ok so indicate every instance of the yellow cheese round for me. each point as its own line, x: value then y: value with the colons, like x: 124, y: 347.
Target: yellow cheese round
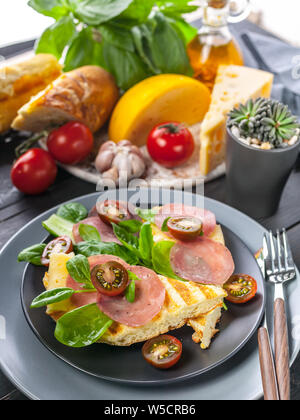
x: 158, y: 99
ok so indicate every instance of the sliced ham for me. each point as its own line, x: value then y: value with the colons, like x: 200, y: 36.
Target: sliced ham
x: 106, y: 231
x: 93, y: 212
x: 149, y: 300
x: 202, y: 261
x: 174, y: 210
x: 82, y: 299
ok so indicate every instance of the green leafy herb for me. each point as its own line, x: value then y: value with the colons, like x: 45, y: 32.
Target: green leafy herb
x: 133, y: 226
x: 74, y: 212
x: 225, y: 306
x: 52, y: 296
x: 164, y: 227
x: 55, y: 39
x: 33, y: 254
x: 57, y: 226
x: 146, y: 243
x: 52, y: 8
x: 130, y: 292
x: 161, y: 259
x: 176, y: 7
x: 79, y: 269
x: 82, y: 327
x: 147, y: 215
x: 130, y: 241
x: 89, y: 233
x: 107, y: 248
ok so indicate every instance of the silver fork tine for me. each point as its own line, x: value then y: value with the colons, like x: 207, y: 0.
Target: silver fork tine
x: 279, y: 250
x: 288, y: 257
x: 272, y: 250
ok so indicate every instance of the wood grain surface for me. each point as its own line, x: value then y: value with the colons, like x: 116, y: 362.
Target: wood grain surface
x: 267, y: 366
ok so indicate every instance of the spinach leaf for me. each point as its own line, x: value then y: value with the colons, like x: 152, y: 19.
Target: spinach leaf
x: 164, y: 227
x: 74, y: 212
x: 106, y: 248
x: 130, y: 241
x: 52, y: 296
x: 52, y: 8
x: 132, y: 226
x: 57, y: 37
x: 82, y: 327
x: 161, y: 259
x: 33, y: 254
x: 147, y: 215
x: 95, y: 12
x: 146, y: 243
x: 85, y: 49
x: 130, y: 292
x: 127, y: 67
x: 89, y: 233
x: 79, y: 269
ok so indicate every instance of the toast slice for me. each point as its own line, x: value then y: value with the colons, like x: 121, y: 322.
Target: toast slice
x: 205, y: 327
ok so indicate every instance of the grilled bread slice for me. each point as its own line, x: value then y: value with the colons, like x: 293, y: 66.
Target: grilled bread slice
x: 205, y: 327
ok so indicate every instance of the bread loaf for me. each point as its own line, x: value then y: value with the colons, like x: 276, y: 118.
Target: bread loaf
x: 87, y: 94
x: 19, y: 82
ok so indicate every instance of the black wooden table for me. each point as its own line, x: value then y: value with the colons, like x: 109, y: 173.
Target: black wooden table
x: 16, y: 210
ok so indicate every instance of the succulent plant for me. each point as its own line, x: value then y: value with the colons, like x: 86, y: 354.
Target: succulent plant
x: 266, y: 120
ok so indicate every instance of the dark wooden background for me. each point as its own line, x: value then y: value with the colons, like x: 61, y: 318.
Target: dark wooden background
x: 16, y: 209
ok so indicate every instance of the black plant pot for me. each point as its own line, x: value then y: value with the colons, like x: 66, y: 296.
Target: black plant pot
x: 256, y: 178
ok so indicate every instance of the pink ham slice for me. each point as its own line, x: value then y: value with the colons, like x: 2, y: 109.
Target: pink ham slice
x: 93, y: 212
x: 149, y: 300
x: 171, y: 210
x: 106, y: 231
x: 202, y: 261
x: 82, y: 299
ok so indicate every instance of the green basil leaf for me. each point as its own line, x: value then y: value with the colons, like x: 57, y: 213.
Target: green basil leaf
x: 52, y: 8
x: 141, y: 35
x: 74, y: 212
x: 133, y: 276
x: 137, y: 12
x: 82, y: 327
x: 52, y: 296
x: 130, y: 292
x: 147, y: 215
x: 57, y: 37
x: 79, y: 269
x: 177, y: 7
x: 187, y: 31
x: 146, y: 243
x: 117, y: 35
x: 95, y: 12
x: 127, y: 239
x: 161, y: 259
x: 89, y: 233
x: 33, y: 254
x: 107, y: 248
x: 164, y: 227
x: 127, y: 67
x: 132, y: 225
x: 85, y: 49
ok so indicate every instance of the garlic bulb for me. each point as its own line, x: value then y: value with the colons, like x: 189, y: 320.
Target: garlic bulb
x: 120, y: 160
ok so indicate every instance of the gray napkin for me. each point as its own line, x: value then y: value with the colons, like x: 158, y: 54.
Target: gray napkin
x: 282, y: 59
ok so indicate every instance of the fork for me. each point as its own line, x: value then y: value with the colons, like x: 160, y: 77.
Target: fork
x: 280, y: 268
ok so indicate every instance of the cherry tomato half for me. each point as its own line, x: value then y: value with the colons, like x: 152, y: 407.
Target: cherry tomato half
x: 111, y: 211
x: 240, y: 288
x: 34, y: 172
x: 185, y: 228
x: 61, y: 245
x: 162, y: 352
x: 71, y: 143
x: 170, y: 144
x: 110, y: 279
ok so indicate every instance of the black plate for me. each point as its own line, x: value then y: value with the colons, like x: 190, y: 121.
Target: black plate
x: 126, y: 364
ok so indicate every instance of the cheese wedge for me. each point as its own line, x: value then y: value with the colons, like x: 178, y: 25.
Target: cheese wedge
x: 234, y: 85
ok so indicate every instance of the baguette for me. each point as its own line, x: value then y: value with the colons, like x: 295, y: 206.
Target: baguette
x: 19, y: 82
x: 87, y: 94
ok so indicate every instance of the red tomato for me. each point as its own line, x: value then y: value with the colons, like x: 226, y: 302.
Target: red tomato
x: 240, y: 288
x: 170, y: 144
x: 110, y: 279
x: 71, y: 143
x: 162, y: 352
x: 34, y: 172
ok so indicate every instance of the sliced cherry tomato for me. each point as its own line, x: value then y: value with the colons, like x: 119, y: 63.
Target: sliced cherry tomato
x: 111, y: 211
x: 61, y: 245
x: 240, y: 288
x: 34, y: 172
x: 185, y: 228
x: 170, y: 144
x: 71, y: 143
x: 110, y: 279
x: 162, y: 352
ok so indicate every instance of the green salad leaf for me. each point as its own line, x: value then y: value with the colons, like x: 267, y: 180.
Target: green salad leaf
x: 74, y: 212
x: 146, y: 214
x: 130, y: 241
x: 57, y: 226
x: 79, y: 269
x: 82, y: 327
x: 89, y: 233
x: 146, y: 243
x: 52, y: 296
x: 161, y: 259
x: 107, y: 248
x: 133, y: 226
x: 32, y: 255
x: 51, y: 8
